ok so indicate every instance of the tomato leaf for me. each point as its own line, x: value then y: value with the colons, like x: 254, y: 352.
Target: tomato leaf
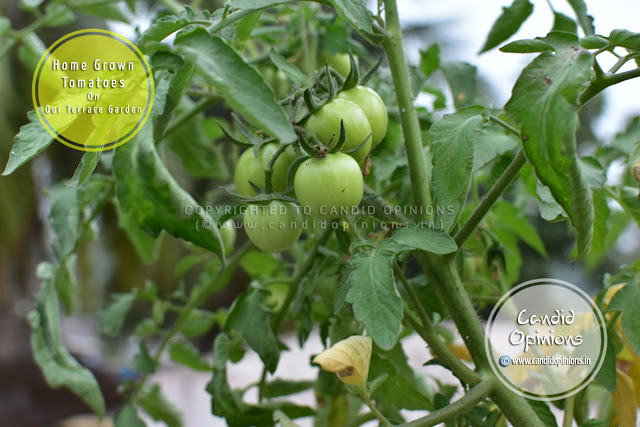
x: 585, y: 20
x: 144, y: 244
x: 186, y: 354
x: 421, y: 236
x: 627, y: 301
x: 354, y: 12
x: 112, y: 316
x: 85, y: 168
x: 59, y: 368
x: 606, y: 376
x: 154, y: 403
x: 461, y: 78
x: 624, y: 38
x: 454, y: 148
x: 288, y: 68
x: 430, y: 59
x: 526, y: 46
x: 372, y: 291
x: 147, y: 191
x: 164, y: 27
x: 32, y: 139
x: 545, y: 101
x: 128, y: 417
x: 562, y: 22
x: 403, y: 388
x: 109, y: 11
x: 280, y: 387
x: 508, y: 23
x: 239, y: 83
x: 507, y: 216
x: 251, y: 319
x: 544, y: 413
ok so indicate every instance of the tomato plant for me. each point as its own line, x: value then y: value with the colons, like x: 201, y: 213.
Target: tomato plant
x: 462, y: 199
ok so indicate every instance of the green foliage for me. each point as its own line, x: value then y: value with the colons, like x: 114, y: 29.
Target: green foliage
x: 545, y: 101
x: 244, y: 69
x: 508, y: 23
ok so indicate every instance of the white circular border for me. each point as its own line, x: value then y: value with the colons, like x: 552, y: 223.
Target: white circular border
x: 491, y: 356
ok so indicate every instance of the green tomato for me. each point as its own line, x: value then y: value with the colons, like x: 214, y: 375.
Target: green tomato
x: 228, y: 233
x: 250, y: 168
x: 325, y: 122
x: 338, y: 61
x: 373, y: 108
x: 273, y: 227
x: 329, y: 187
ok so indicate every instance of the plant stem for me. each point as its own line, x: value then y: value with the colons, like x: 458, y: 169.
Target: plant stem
x: 202, y: 105
x: 506, y: 125
x: 408, y: 117
x: 489, y: 199
x: 430, y: 335
x: 469, y: 400
x: 373, y: 408
x: 268, y: 172
x: 569, y: 406
x: 599, y: 85
x: 446, y: 280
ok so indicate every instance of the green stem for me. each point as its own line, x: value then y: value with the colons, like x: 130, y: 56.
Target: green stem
x: 514, y: 407
x: 202, y: 105
x: 360, y: 419
x: 230, y: 19
x: 408, y: 117
x: 268, y: 172
x: 430, y: 335
x: 489, y: 199
x: 374, y: 410
x: 599, y: 85
x: 506, y: 125
x: 445, y: 279
x: 469, y: 400
x: 569, y: 406
x: 623, y: 61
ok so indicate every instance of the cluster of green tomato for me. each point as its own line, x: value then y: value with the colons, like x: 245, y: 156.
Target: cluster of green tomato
x: 325, y: 184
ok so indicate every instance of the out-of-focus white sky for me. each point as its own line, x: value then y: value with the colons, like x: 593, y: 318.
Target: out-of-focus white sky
x: 469, y: 22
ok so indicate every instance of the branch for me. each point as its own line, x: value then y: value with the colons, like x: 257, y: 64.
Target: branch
x: 430, y: 336
x: 489, y: 199
x: 474, y: 396
x: 408, y: 117
x: 599, y: 85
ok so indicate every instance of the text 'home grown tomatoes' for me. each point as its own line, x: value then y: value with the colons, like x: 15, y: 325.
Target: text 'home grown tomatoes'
x: 273, y: 227
x: 373, y: 107
x: 325, y: 123
x: 329, y: 187
x: 251, y: 168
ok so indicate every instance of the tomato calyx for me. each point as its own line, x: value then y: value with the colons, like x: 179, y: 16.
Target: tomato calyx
x: 263, y: 197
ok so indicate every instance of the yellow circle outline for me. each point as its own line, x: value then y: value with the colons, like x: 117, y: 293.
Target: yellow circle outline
x: 112, y: 144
